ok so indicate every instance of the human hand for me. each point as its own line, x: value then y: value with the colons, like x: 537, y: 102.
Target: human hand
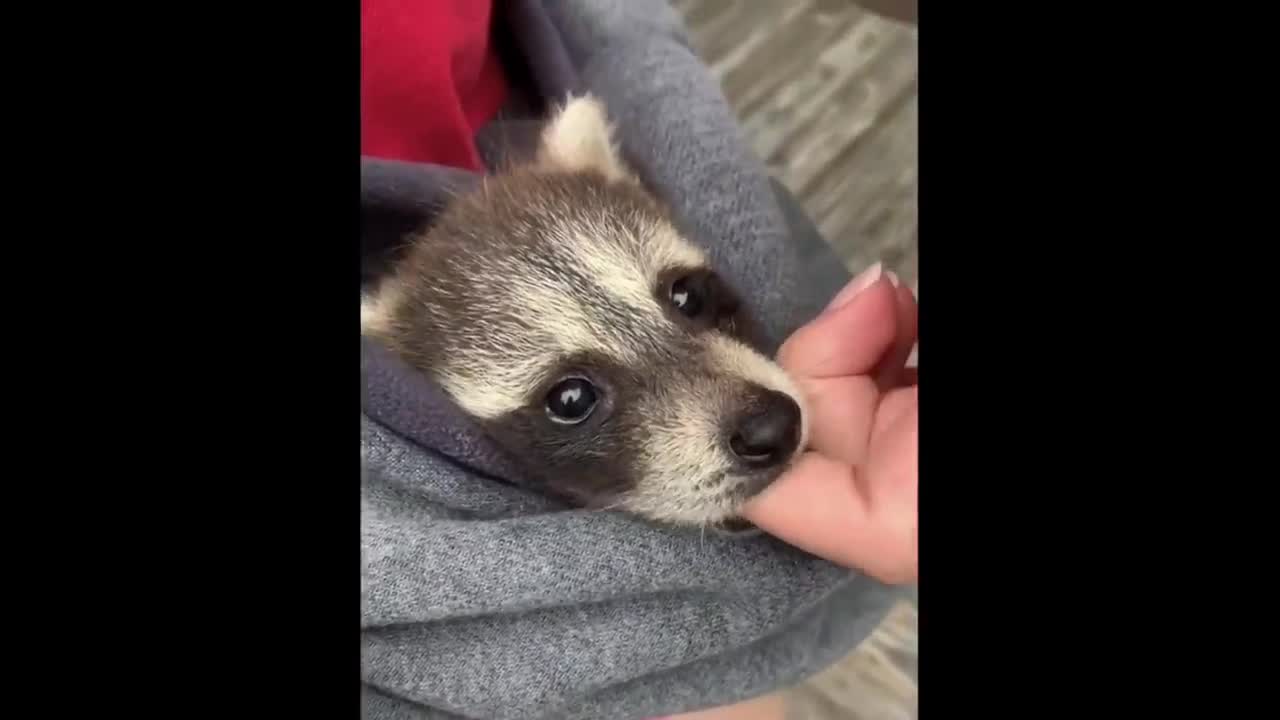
x: 852, y: 497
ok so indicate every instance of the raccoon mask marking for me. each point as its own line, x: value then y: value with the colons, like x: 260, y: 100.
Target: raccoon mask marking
x: 560, y: 308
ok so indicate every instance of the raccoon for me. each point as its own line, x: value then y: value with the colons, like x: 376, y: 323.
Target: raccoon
x: 559, y: 307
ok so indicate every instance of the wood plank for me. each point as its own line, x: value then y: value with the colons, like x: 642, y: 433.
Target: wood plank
x: 791, y: 108
x: 863, y: 104
x: 866, y: 204
x: 820, y: 87
x: 705, y: 17
x: 784, y: 54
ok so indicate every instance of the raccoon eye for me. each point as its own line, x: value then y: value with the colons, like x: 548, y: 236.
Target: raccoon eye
x: 571, y: 401
x: 702, y: 297
x: 688, y: 295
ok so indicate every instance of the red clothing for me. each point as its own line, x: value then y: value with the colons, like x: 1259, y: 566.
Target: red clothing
x: 429, y: 79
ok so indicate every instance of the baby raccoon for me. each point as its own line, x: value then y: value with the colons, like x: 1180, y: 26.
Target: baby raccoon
x: 558, y: 306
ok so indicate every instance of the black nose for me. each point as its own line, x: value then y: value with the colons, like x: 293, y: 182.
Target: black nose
x: 770, y: 433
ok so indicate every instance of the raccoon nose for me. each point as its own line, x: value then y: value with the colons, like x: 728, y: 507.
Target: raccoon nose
x: 769, y: 435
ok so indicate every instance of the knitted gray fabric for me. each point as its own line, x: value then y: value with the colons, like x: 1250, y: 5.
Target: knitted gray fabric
x: 483, y: 598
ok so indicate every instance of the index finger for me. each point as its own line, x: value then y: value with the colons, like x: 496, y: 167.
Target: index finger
x: 848, y: 340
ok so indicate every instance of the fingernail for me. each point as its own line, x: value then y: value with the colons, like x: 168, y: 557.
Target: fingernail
x: 893, y: 278
x: 864, y: 280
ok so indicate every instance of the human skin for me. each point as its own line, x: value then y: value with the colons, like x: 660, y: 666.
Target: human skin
x: 852, y: 497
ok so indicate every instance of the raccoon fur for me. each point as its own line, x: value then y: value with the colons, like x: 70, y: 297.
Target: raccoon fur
x: 559, y: 307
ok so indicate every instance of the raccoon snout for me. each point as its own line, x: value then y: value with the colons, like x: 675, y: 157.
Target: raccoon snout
x: 768, y: 436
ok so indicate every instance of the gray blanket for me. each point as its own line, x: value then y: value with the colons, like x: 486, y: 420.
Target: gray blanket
x: 484, y: 598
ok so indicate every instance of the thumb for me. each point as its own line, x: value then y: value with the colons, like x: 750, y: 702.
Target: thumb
x: 851, y: 336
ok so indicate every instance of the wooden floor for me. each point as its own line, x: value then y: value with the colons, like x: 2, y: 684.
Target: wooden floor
x: 826, y: 94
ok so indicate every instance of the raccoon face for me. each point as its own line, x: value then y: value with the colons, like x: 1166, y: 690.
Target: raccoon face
x: 559, y: 307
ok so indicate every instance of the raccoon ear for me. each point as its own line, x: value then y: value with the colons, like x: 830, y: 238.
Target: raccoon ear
x: 579, y: 137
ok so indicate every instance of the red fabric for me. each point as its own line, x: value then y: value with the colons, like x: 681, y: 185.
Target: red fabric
x: 429, y: 79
